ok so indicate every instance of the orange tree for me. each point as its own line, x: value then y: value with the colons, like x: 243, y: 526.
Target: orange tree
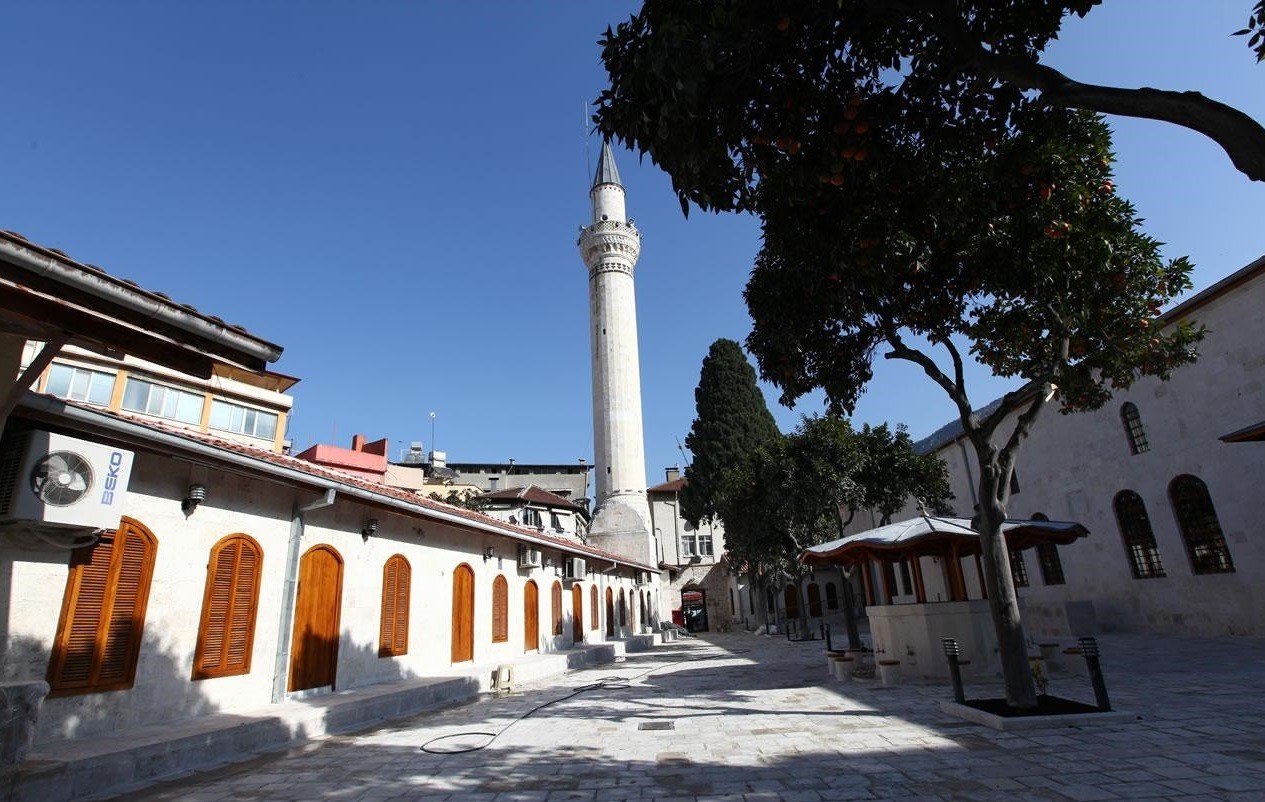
x: 916, y: 212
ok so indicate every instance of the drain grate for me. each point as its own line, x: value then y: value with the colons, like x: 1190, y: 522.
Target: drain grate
x: 657, y: 725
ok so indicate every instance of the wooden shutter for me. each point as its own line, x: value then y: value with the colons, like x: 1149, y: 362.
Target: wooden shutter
x: 500, y: 610
x: 594, y: 617
x: 556, y: 599
x: 396, y: 578
x: 230, y: 603
x: 103, y: 613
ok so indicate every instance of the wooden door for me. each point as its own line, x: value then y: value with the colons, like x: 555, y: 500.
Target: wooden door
x: 531, y: 617
x: 462, y: 614
x: 814, y: 600
x: 790, y: 596
x: 577, y: 613
x: 317, y: 606
x: 610, y: 613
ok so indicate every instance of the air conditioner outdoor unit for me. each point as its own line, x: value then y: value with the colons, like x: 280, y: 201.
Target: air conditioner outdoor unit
x: 574, y: 568
x: 528, y: 557
x: 643, y: 577
x: 53, y: 480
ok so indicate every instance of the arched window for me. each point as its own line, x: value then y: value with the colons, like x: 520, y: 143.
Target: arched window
x: 555, y: 598
x: 814, y: 600
x: 791, y: 599
x: 1197, y: 519
x: 226, y: 632
x: 594, y: 617
x: 103, y: 613
x: 1050, y: 563
x: 500, y: 610
x: 1139, y: 540
x: 832, y: 596
x: 396, y: 579
x: 610, y: 613
x: 1133, y: 428
x: 1018, y: 569
x: 623, y: 609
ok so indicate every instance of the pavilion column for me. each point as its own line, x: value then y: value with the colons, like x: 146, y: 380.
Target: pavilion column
x: 959, y: 578
x: 867, y: 581
x: 979, y: 573
x: 915, y: 565
x: 885, y: 571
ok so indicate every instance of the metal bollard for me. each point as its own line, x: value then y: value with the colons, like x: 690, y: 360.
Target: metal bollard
x: 1089, y: 649
x: 952, y: 652
x: 825, y: 635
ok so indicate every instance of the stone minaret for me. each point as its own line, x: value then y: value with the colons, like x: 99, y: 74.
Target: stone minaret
x: 610, y: 247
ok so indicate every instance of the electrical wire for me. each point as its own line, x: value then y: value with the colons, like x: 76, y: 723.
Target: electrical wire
x: 614, y: 683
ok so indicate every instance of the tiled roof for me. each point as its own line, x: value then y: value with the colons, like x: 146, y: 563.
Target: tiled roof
x: 673, y: 486
x: 531, y: 494
x: 424, y: 503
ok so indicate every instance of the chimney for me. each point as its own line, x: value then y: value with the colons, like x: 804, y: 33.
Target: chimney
x: 673, y: 473
x: 357, y: 442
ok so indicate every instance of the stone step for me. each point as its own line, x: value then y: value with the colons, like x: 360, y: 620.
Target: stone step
x: 64, y: 771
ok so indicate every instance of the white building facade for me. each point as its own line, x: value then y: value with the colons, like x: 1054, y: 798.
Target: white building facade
x: 1175, y: 540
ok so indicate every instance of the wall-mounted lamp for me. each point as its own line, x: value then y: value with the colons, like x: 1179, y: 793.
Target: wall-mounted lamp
x: 197, y: 494
x: 489, y: 553
x: 371, y: 527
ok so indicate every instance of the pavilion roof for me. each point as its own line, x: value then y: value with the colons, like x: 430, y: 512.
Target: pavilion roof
x: 929, y: 534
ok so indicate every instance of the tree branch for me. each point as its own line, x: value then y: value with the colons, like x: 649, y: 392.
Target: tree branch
x: 955, y: 391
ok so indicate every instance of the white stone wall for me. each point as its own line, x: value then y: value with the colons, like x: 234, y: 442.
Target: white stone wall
x: 1072, y: 466
x: 32, y: 586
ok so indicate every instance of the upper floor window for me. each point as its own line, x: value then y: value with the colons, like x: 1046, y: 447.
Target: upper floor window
x: 832, y: 597
x: 1139, y: 540
x: 532, y: 518
x: 243, y: 420
x: 162, y: 401
x: 704, y: 544
x: 1133, y: 428
x: 80, y: 384
x: 555, y: 522
x: 688, y: 545
x: 1197, y: 519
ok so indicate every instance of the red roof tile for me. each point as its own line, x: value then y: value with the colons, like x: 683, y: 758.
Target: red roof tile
x: 280, y: 460
x: 533, y: 494
x: 673, y: 486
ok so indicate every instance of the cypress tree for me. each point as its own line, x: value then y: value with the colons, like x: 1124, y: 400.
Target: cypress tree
x: 732, y: 421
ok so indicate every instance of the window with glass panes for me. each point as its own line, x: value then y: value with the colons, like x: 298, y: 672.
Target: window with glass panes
x: 1018, y: 569
x: 688, y: 542
x: 1139, y: 539
x: 162, y: 401
x: 243, y: 420
x: 1201, y: 531
x: 1050, y: 564
x: 705, y: 544
x: 1133, y: 428
x: 80, y: 384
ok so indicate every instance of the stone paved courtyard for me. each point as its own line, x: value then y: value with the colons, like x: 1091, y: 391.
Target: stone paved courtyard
x: 745, y: 718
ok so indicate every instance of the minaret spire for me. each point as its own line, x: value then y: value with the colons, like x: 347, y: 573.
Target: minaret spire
x: 610, y: 246
x: 606, y: 173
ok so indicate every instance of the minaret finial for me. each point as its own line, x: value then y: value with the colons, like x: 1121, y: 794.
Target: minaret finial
x: 606, y: 172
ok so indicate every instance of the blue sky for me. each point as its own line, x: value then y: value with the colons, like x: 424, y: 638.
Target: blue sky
x: 392, y: 192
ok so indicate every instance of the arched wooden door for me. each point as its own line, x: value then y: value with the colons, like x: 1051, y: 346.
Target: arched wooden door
x: 318, y: 603
x: 791, y: 597
x: 623, y: 609
x: 462, y: 614
x: 577, y: 613
x: 531, y: 617
x: 610, y: 613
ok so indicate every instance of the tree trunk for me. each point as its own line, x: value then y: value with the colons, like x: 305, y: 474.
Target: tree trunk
x: 801, y: 590
x: 1003, y: 602
x: 849, y: 611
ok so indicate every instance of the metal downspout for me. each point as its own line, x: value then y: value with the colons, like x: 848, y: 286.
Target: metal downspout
x: 289, y: 591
